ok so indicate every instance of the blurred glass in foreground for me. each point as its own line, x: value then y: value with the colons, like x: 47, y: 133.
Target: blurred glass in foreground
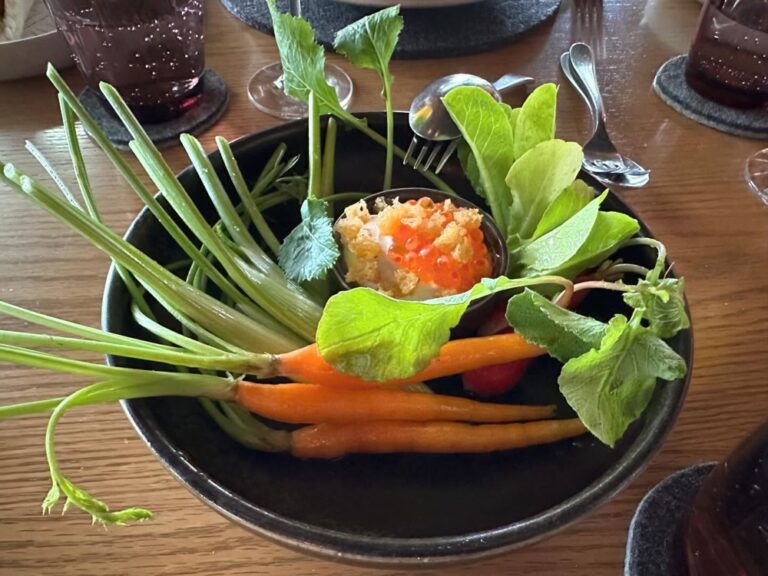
x: 151, y: 51
x: 727, y: 530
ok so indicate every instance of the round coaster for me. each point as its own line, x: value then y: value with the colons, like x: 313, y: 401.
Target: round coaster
x: 428, y: 33
x: 671, y: 87
x: 214, y: 100
x: 652, y: 539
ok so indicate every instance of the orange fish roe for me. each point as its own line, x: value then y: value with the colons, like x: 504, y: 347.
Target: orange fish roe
x: 416, y: 249
x: 438, y: 241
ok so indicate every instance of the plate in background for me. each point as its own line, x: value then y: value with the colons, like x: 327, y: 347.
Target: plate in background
x: 29, y: 55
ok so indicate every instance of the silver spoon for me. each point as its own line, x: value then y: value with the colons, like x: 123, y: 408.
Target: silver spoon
x: 430, y: 121
x: 601, y: 158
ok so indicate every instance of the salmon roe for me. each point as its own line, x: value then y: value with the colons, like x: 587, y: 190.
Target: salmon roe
x: 439, y: 242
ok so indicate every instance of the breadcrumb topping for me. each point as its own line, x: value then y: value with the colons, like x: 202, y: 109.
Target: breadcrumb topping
x: 416, y: 249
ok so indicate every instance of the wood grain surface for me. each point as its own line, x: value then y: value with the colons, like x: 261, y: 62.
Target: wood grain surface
x: 697, y: 203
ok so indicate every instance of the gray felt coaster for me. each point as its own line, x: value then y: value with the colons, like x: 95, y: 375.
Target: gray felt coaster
x: 214, y: 100
x: 652, y: 541
x: 671, y: 87
x: 428, y: 33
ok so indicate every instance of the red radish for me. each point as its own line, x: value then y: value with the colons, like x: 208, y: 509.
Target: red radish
x: 500, y: 378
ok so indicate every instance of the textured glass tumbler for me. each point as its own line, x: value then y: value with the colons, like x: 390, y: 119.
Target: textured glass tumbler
x: 728, y: 59
x: 151, y: 51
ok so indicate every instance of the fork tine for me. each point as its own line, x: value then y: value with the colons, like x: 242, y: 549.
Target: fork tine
x: 446, y: 155
x: 411, y: 149
x: 436, y: 149
x: 424, y: 148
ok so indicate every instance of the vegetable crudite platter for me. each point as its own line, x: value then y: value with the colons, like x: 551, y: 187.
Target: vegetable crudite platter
x: 424, y: 376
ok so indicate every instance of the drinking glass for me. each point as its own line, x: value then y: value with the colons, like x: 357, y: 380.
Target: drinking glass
x: 756, y: 174
x: 728, y: 63
x: 728, y: 59
x: 265, y: 88
x: 151, y: 51
x: 726, y: 530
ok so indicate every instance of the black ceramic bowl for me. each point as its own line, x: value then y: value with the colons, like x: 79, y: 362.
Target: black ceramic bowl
x: 398, y: 509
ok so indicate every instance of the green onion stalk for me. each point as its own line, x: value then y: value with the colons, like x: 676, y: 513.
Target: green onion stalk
x: 258, y: 312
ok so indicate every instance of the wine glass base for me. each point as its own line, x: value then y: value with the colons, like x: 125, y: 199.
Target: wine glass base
x: 756, y: 174
x: 265, y: 89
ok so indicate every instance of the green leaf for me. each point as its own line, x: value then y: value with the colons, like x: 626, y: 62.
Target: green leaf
x: 512, y: 115
x: 370, y: 42
x: 470, y: 168
x: 567, y: 203
x: 98, y: 510
x: 376, y: 337
x: 610, y: 231
x: 467, y: 159
x: 52, y: 498
x: 559, y: 246
x: 610, y: 387
x: 662, y: 303
x: 303, y: 61
x: 484, y: 124
x: 564, y: 334
x: 310, y: 250
x: 535, y: 123
x: 536, y: 179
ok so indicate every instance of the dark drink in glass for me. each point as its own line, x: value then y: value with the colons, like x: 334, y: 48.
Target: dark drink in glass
x: 728, y: 60
x: 151, y: 51
x: 727, y: 530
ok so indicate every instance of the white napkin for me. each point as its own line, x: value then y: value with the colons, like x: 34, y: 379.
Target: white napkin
x: 16, y: 12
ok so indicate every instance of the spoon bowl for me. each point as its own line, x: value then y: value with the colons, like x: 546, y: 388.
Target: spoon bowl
x: 428, y: 116
x: 431, y: 123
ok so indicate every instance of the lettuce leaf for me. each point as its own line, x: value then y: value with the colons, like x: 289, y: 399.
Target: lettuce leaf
x: 486, y: 128
x: 610, y: 231
x: 567, y: 203
x: 559, y: 246
x: 376, y: 337
x: 535, y: 181
x: 535, y: 121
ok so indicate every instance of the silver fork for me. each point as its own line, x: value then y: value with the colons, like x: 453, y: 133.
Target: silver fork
x: 432, y: 147
x: 434, y: 132
x: 601, y: 158
x: 587, y: 24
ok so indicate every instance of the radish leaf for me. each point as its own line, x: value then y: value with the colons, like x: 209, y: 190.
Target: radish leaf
x: 611, y: 386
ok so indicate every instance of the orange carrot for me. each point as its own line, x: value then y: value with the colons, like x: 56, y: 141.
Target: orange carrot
x: 306, y: 364
x: 335, y: 440
x: 312, y: 403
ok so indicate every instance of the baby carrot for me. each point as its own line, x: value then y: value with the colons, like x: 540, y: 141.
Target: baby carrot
x: 306, y: 364
x: 336, y: 440
x: 312, y: 403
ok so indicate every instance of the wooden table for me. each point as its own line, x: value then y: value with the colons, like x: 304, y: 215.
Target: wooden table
x: 697, y: 203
